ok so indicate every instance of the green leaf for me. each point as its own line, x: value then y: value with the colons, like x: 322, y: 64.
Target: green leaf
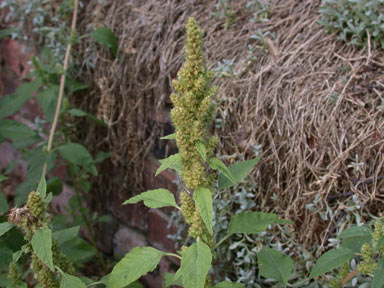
x: 202, y: 150
x: 81, y: 113
x: 195, y: 264
x: 2, y: 177
x: 6, y: 32
x: 138, y: 262
x: 169, y: 137
x: 354, y: 237
x: 227, y: 284
x: 203, y: 198
x: 217, y: 164
x: 42, y: 246
x: 239, y: 171
x: 173, y: 162
x: 55, y: 185
x: 331, y: 260
x: 251, y: 222
x: 78, y: 250
x: 107, y: 38
x: 154, y: 199
x: 42, y: 188
x: 379, y: 244
x: 65, y: 235
x: 274, y: 264
x: 14, y: 130
x: 16, y: 256
x: 70, y: 281
x: 77, y: 154
x: 12, y: 103
x: 170, y: 279
x: 74, y: 86
x: 6, y: 255
x: 101, y: 156
x: 378, y: 277
x: 3, y: 203
x: 5, y: 227
x: 48, y: 101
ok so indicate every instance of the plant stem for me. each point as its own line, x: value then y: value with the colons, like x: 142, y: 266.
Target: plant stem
x: 62, y: 85
x: 173, y: 255
x: 349, y: 277
x: 84, y: 216
x: 222, y: 240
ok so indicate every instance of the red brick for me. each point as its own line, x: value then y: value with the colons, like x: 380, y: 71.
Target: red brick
x: 158, y: 230
x: 126, y: 239
x: 133, y: 215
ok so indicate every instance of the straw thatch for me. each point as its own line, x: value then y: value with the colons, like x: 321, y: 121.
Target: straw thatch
x: 310, y: 101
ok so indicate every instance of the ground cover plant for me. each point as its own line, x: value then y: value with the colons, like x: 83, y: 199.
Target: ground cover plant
x: 329, y: 208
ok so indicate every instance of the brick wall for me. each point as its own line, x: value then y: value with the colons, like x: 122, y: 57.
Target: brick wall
x: 134, y: 225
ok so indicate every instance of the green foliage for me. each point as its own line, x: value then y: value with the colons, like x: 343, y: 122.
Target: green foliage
x: 77, y: 154
x: 331, y: 260
x: 378, y: 278
x: 42, y: 246
x: 105, y: 37
x: 154, y: 199
x: 227, y: 284
x: 195, y: 265
x: 239, y: 171
x: 251, y: 222
x: 5, y: 227
x: 139, y: 261
x: 354, y: 237
x: 173, y: 162
x: 203, y: 200
x: 355, y: 20
x: 274, y: 264
x: 224, y: 11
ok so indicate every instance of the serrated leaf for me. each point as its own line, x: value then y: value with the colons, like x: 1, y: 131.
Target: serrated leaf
x: 156, y: 198
x: 251, y: 222
x: 331, y: 260
x: 354, y: 237
x: 138, y: 262
x: 14, y: 130
x: 170, y: 279
x: 3, y: 203
x: 274, y: 264
x: 10, y: 104
x: 227, y: 284
x: 42, y: 188
x: 81, y: 113
x: 107, y: 38
x: 202, y: 150
x: 70, y: 281
x: 239, y: 171
x: 77, y: 154
x: 203, y: 198
x: 378, y: 277
x: 195, y: 264
x: 5, y: 227
x: 48, y: 101
x: 42, y: 246
x: 169, y: 137
x: 217, y: 164
x: 173, y: 162
x: 65, y: 235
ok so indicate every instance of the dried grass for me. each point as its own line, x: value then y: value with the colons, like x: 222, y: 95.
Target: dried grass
x: 282, y: 101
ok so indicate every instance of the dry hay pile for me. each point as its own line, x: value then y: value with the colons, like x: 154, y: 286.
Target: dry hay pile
x: 312, y: 102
